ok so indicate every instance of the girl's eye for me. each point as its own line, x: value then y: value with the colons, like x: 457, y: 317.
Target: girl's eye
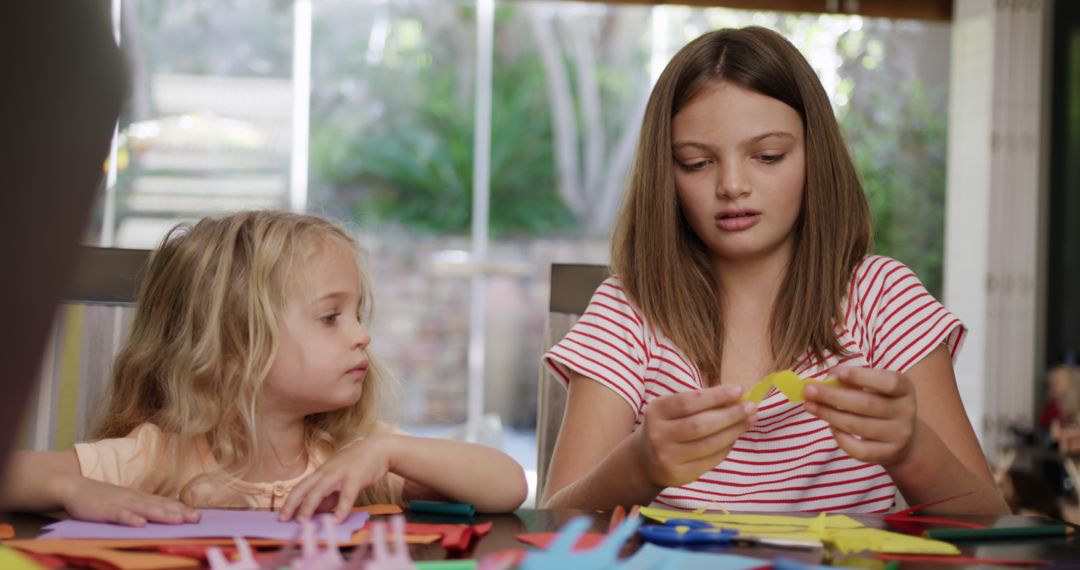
x: 770, y: 158
x: 694, y: 166
x: 329, y: 319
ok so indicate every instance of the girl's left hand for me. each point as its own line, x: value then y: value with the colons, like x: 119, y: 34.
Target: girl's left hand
x: 872, y: 413
x: 336, y: 483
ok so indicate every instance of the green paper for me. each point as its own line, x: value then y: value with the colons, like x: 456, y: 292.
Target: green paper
x: 441, y: 508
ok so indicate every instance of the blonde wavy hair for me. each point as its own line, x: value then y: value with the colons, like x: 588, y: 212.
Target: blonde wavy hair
x: 664, y: 266
x: 204, y: 338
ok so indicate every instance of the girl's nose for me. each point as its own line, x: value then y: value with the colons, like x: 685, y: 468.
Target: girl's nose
x: 733, y: 182
x: 361, y: 336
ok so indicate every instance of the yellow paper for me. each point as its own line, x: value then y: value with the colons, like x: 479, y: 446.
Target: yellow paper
x: 843, y: 533
x: 10, y: 559
x: 759, y: 522
x: 787, y: 382
x: 887, y: 542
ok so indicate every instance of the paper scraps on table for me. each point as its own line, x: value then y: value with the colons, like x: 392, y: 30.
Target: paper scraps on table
x: 906, y: 520
x: 388, y: 552
x: 162, y: 553
x: 215, y: 523
x: 92, y: 553
x: 385, y: 554
x: 562, y: 552
x: 186, y: 552
x: 381, y: 509
x: 787, y: 382
x: 565, y: 553
x: 586, y: 541
x: 842, y: 532
x: 454, y: 536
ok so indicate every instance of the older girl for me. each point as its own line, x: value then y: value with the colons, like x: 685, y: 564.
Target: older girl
x: 742, y: 248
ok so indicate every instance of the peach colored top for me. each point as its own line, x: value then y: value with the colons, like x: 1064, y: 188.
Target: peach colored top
x: 132, y: 460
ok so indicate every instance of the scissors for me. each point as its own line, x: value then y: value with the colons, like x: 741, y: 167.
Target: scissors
x: 686, y: 531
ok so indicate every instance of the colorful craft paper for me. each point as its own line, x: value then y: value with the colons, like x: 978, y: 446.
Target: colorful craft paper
x: 454, y: 536
x: 186, y: 552
x: 908, y: 521
x: 90, y: 553
x: 587, y: 540
x: 376, y: 510
x: 787, y: 382
x: 567, y: 551
x: 843, y: 533
x: 105, y: 553
x: 215, y: 523
x: 387, y: 552
x: 561, y: 554
x: 357, y: 539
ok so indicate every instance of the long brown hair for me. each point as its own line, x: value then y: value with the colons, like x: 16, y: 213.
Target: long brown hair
x: 663, y: 264
x: 204, y: 338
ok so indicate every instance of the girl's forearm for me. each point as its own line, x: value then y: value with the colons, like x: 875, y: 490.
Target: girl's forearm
x: 931, y: 472
x: 36, y: 482
x: 619, y: 479
x: 469, y: 473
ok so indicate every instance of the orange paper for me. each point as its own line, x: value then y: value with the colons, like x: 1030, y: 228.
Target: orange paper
x: 83, y: 551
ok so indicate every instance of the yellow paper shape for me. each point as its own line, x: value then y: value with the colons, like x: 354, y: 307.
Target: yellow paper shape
x: 787, y: 382
x: 887, y: 542
x: 760, y: 522
x: 758, y: 391
x: 843, y: 533
x: 13, y: 560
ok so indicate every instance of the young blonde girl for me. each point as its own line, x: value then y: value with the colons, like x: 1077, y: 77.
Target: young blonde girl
x: 741, y: 249
x: 247, y: 382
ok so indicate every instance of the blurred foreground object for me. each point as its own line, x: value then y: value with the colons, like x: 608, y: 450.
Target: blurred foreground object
x: 64, y: 83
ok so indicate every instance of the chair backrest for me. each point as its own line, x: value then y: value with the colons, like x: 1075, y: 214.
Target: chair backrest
x: 572, y: 285
x: 89, y: 327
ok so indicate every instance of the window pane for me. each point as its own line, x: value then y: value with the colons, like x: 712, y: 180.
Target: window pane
x: 570, y: 85
x: 391, y: 150
x: 207, y: 126
x: 208, y: 130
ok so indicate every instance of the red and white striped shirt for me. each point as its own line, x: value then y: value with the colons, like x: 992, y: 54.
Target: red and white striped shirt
x: 789, y: 460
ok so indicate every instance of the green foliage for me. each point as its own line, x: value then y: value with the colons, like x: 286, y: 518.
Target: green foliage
x: 414, y: 165
x: 898, y: 144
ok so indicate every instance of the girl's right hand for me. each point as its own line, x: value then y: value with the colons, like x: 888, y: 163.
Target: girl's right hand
x: 90, y: 500
x: 689, y: 433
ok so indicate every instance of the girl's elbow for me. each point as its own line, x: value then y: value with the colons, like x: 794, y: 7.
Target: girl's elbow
x: 518, y: 490
x: 515, y: 490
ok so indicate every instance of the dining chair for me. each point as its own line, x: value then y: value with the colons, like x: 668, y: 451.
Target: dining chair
x: 572, y: 285
x: 89, y: 327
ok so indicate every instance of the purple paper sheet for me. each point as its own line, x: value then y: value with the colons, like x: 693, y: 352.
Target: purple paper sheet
x: 215, y: 523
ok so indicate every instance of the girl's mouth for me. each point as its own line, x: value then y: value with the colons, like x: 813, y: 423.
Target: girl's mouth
x: 737, y: 220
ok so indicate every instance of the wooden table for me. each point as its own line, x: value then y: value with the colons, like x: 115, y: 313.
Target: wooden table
x: 507, y: 526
